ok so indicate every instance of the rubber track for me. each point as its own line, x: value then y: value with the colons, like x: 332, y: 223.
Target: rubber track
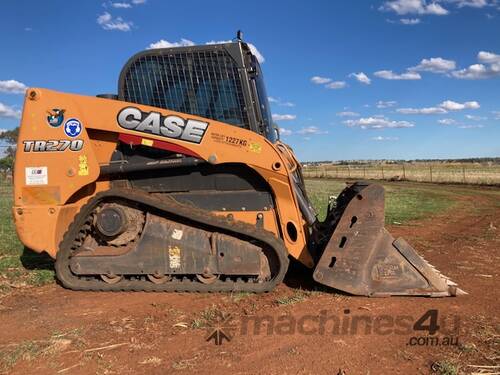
x: 173, y: 210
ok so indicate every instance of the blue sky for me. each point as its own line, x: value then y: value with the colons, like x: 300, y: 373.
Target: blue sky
x: 429, y: 88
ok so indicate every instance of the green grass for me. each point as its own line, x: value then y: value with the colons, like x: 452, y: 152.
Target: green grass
x: 298, y: 296
x: 205, y: 318
x: 403, y: 202
x: 238, y: 296
x: 26, y: 350
x: 18, y: 266
x: 29, y: 350
x: 445, y: 368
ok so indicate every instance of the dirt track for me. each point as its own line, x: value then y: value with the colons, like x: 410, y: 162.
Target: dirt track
x: 56, y: 329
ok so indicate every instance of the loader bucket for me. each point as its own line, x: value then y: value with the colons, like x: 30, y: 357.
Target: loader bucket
x: 362, y: 258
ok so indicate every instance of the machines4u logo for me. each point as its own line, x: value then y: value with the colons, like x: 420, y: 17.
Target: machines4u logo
x: 73, y: 127
x: 55, y: 117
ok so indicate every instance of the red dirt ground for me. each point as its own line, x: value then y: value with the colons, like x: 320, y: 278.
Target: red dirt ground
x: 52, y: 330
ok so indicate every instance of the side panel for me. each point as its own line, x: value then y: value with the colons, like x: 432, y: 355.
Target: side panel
x: 66, y: 173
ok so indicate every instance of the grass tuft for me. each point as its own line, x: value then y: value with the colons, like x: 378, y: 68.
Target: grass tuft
x: 27, y: 350
x: 205, y: 318
x: 298, y: 296
x: 445, y: 368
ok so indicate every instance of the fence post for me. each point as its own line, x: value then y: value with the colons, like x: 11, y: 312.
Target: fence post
x: 382, y: 167
x: 364, y: 172
x: 430, y: 170
x: 463, y: 172
x: 404, y: 172
x: 348, y: 172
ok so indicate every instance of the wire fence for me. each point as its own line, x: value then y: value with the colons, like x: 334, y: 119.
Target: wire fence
x: 5, y: 183
x: 466, y: 173
x: 459, y: 173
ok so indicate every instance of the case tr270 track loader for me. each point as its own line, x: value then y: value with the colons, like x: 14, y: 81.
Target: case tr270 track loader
x: 180, y: 183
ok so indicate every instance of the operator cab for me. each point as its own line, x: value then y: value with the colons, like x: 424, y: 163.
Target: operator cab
x: 223, y: 82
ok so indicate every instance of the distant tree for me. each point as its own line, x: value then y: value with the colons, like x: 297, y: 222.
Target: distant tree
x: 9, y: 137
x: 6, y: 163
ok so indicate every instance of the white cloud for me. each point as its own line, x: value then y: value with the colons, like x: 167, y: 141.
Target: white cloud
x: 389, y: 74
x: 121, y: 5
x: 450, y: 105
x: 107, y: 22
x: 329, y: 84
x: 402, y: 7
x: 361, y: 77
x: 471, y: 3
x: 311, y: 130
x: 28, y: 29
x: 3, y: 131
x: 253, y: 49
x: 422, y: 111
x: 380, y: 138
x: 256, y: 52
x: 496, y: 114
x: 386, y: 104
x: 447, y: 121
x: 348, y: 114
x: 320, y: 80
x: 410, y: 21
x: 471, y: 126
x: 162, y: 43
x: 377, y: 122
x: 477, y: 71
x: 187, y: 43
x: 475, y: 118
x: 11, y: 86
x: 9, y: 112
x: 280, y: 102
x: 138, y: 2
x: 489, y: 67
x: 277, y: 117
x: 336, y: 85
x: 444, y: 107
x: 434, y: 65
x: 285, y: 132
x: 488, y: 57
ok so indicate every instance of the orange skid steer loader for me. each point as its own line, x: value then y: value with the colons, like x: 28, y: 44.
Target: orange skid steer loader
x: 180, y: 183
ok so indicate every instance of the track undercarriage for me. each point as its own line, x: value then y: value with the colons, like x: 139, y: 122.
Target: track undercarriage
x: 126, y: 239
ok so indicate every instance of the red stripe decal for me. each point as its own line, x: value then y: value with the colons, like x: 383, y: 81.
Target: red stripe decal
x: 135, y: 140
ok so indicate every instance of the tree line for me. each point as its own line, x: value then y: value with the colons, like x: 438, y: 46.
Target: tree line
x: 9, y: 141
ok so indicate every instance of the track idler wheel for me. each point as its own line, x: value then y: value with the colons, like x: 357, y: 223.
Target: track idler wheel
x: 111, y: 278
x: 158, y: 278
x: 207, y: 278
